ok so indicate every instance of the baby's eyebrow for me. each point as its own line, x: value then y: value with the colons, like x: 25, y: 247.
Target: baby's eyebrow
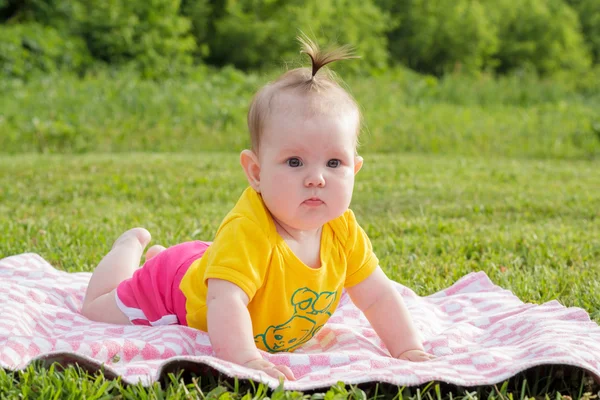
x: 294, y: 150
x: 301, y: 149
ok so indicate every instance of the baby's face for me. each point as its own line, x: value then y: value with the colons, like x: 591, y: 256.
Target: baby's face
x: 307, y: 167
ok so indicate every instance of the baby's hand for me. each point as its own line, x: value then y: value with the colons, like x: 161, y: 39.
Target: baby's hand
x: 276, y: 371
x: 415, y: 355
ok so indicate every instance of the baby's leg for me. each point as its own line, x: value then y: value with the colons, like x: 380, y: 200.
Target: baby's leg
x: 154, y: 250
x: 118, y: 265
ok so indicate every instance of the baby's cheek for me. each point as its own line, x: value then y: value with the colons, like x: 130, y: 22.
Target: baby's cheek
x: 281, y: 176
x: 348, y: 173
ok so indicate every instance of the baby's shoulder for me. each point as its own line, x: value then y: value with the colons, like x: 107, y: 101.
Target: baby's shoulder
x: 242, y: 225
x: 248, y: 216
x: 343, y: 226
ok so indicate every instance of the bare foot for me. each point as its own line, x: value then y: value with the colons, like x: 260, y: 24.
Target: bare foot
x: 136, y: 235
x: 154, y: 250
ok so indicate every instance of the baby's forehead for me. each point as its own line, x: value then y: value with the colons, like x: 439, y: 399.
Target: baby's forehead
x: 313, y: 135
x: 288, y: 110
x: 333, y: 102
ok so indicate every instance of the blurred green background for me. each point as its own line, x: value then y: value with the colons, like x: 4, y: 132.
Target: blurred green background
x: 166, y: 37
x: 513, y: 78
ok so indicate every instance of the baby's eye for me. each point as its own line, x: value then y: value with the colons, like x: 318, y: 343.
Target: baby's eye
x: 334, y: 163
x: 294, y: 162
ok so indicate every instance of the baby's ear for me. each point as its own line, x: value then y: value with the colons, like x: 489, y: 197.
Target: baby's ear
x: 251, y: 167
x: 358, y: 163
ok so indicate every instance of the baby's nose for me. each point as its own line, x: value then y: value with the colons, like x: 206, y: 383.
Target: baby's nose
x: 315, y: 179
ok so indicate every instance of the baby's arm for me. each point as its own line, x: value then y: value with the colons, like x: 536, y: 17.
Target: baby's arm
x: 230, y: 329
x: 384, y: 308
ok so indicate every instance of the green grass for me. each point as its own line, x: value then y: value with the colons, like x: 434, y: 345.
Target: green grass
x: 75, y: 383
x: 531, y: 225
x: 513, y: 116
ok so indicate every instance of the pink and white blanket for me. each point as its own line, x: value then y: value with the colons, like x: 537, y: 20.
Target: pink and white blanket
x: 480, y: 333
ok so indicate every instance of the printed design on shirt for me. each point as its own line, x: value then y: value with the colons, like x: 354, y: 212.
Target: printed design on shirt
x: 302, y: 325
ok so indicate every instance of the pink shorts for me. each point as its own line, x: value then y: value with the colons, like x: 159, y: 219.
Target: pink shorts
x: 152, y: 295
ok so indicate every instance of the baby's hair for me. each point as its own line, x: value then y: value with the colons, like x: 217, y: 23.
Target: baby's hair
x: 304, y: 81
x: 321, y: 58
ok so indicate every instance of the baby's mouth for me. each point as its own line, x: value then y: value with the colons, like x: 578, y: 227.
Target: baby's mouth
x: 313, y: 201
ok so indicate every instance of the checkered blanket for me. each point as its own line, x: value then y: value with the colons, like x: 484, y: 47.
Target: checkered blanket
x: 480, y: 333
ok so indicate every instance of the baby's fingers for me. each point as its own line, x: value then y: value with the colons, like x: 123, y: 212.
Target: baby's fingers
x: 273, y: 372
x: 416, y: 356
x: 421, y: 357
x: 286, y: 371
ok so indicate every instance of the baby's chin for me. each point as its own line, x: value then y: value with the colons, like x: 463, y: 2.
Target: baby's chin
x: 309, y: 224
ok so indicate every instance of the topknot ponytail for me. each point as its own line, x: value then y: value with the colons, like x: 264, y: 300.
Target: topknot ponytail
x: 321, y: 58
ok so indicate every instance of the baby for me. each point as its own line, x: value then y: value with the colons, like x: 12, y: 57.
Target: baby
x: 275, y: 271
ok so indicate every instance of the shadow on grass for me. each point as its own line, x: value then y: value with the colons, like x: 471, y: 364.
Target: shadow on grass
x: 547, y: 381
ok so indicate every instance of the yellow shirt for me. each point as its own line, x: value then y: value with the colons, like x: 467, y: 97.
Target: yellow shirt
x: 289, y: 301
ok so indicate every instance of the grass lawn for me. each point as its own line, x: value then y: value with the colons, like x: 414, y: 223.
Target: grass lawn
x: 512, y: 116
x: 531, y: 225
